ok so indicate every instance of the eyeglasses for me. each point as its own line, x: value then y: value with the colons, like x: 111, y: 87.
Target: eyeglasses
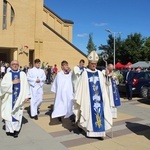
x: 15, y: 64
x: 93, y: 63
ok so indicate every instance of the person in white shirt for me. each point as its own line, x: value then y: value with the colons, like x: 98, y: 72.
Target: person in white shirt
x: 36, y: 78
x: 62, y: 87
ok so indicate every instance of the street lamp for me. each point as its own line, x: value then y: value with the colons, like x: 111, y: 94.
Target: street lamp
x: 114, y: 33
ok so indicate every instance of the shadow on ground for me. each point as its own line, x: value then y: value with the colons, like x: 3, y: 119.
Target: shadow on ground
x: 139, y: 129
x: 144, y: 101
x: 67, y: 123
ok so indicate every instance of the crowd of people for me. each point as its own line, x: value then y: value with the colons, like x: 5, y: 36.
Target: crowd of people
x: 50, y: 71
x: 90, y: 95
x: 5, y: 67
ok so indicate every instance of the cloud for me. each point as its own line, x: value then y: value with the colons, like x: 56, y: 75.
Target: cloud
x: 100, y: 24
x: 82, y: 35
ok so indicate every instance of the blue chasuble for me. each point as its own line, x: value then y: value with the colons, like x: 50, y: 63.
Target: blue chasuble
x: 116, y: 96
x: 96, y: 101
x: 15, y: 90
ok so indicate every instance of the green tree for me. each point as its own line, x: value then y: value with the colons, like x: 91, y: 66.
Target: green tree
x: 144, y: 54
x: 91, y: 46
x: 132, y: 47
x: 109, y: 48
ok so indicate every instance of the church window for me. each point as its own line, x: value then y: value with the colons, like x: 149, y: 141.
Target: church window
x: 4, y: 15
x: 12, y: 15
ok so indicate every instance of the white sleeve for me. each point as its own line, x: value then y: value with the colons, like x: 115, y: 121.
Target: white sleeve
x: 30, y: 78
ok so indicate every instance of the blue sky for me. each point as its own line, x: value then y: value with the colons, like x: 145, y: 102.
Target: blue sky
x: 94, y: 16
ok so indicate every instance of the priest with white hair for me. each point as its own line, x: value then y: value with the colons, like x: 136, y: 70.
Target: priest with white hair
x: 91, y: 103
x: 14, y: 92
x: 111, y: 81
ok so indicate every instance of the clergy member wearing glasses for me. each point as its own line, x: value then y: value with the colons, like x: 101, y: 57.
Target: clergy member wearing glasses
x: 92, y: 108
x: 14, y: 92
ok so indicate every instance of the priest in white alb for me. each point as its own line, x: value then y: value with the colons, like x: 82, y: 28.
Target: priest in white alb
x: 77, y: 71
x: 14, y: 92
x: 63, y: 89
x: 91, y: 104
x: 36, y: 78
x: 112, y: 89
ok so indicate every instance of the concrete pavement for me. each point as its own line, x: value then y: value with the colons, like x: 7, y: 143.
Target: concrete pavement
x: 131, y: 130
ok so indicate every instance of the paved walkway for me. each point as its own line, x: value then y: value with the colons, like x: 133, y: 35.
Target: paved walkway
x: 131, y: 130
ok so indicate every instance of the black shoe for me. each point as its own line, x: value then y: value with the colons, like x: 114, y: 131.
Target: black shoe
x: 38, y: 111
x: 59, y: 119
x: 72, y: 118
x: 31, y: 117
x: 73, y: 121
x: 101, y: 138
x: 36, y: 117
x: 9, y: 134
x: 80, y: 130
x: 16, y: 134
